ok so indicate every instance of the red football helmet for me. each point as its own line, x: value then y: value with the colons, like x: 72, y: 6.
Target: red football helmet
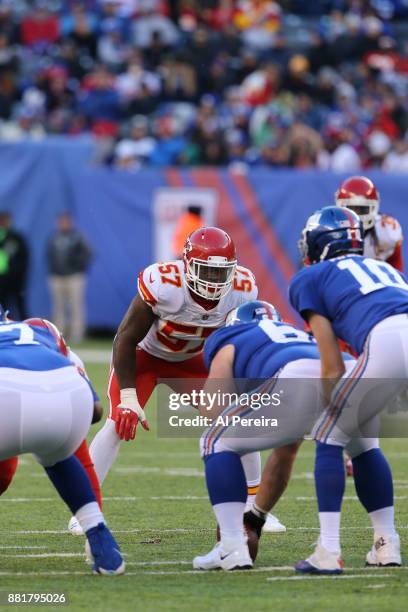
x: 209, y: 262
x: 45, y: 324
x: 360, y: 194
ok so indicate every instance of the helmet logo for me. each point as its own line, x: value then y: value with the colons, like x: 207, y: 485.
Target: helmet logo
x: 188, y: 246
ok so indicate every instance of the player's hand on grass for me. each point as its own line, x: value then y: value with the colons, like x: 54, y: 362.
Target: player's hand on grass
x: 129, y: 414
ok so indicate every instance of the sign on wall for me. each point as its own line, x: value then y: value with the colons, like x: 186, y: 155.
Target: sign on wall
x: 169, y: 203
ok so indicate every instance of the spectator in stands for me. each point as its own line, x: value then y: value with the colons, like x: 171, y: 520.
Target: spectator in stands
x: 83, y: 35
x: 112, y: 49
x: 137, y: 87
x: 137, y: 148
x: 100, y: 62
x: 259, y: 21
x: 396, y: 160
x: 69, y: 256
x: 148, y: 22
x: 179, y: 78
x: 40, y: 27
x: 14, y: 257
x: 169, y: 145
x: 100, y: 103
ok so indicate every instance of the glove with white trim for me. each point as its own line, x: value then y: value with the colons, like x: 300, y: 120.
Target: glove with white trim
x: 129, y: 414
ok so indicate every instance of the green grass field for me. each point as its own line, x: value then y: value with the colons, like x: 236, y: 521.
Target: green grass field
x: 156, y: 504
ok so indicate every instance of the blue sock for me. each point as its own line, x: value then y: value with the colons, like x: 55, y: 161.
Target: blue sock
x: 373, y: 480
x: 72, y: 483
x: 225, y: 478
x: 330, y: 479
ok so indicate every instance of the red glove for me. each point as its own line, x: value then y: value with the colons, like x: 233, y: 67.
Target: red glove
x: 129, y: 414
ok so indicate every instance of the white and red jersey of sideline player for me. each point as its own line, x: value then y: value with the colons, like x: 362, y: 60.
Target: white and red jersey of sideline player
x: 182, y: 324
x: 384, y: 241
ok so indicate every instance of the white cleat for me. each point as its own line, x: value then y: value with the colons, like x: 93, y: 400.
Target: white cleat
x: 273, y: 525
x: 74, y: 527
x: 322, y: 561
x: 385, y: 552
x: 233, y: 557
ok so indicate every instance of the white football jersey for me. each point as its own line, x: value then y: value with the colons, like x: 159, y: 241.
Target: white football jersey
x: 382, y: 242
x: 182, y: 325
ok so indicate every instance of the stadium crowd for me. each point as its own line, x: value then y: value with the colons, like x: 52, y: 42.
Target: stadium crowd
x: 230, y: 82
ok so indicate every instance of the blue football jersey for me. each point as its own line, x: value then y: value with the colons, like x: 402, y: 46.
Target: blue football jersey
x: 27, y: 347
x: 352, y: 291
x: 262, y: 347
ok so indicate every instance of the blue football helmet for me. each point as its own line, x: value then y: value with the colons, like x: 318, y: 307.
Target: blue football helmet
x: 329, y: 232
x: 251, y: 312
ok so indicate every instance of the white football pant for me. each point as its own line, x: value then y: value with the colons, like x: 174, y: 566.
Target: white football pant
x: 46, y: 413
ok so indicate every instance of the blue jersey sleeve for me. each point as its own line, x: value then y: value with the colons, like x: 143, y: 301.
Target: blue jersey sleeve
x: 220, y: 338
x: 212, y: 344
x: 304, y: 292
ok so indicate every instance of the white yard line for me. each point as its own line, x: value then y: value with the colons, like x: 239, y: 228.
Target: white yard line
x: 120, y: 498
x: 168, y: 530
x: 202, y: 573
x: 44, y: 555
x: 95, y: 355
x: 338, y: 577
x: 17, y: 547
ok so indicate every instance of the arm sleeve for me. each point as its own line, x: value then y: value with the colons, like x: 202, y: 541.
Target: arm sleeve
x: 304, y: 295
x: 148, y: 284
x: 212, y: 345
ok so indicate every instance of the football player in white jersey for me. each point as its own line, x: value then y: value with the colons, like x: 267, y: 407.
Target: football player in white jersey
x: 382, y: 233
x: 178, y: 305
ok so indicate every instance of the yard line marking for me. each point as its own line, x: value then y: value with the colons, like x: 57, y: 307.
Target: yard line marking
x: 122, y: 498
x: 197, y: 530
x: 199, y: 573
x: 17, y: 547
x: 153, y: 563
x: 338, y: 577
x: 96, y: 355
x: 345, y: 498
x: 176, y: 471
x: 113, y: 498
x: 45, y: 555
x: 23, y: 500
x: 196, y: 454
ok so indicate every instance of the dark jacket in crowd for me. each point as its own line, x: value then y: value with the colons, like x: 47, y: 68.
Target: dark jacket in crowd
x: 13, y: 271
x: 13, y: 259
x: 68, y: 253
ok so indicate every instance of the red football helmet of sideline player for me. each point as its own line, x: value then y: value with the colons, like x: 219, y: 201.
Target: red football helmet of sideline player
x: 45, y: 324
x: 209, y: 262
x: 361, y: 195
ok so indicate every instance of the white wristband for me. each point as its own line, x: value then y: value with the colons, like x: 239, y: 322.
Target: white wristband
x: 128, y: 397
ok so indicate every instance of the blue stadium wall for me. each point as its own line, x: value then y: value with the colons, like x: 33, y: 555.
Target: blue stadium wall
x: 264, y: 211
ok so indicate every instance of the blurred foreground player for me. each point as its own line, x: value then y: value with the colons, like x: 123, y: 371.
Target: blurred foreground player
x: 46, y: 408
x: 179, y: 304
x: 9, y: 466
x: 364, y: 302
x: 254, y: 345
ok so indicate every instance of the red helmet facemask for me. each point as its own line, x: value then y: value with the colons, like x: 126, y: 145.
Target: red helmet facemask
x: 209, y: 262
x: 360, y: 195
x: 45, y: 324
